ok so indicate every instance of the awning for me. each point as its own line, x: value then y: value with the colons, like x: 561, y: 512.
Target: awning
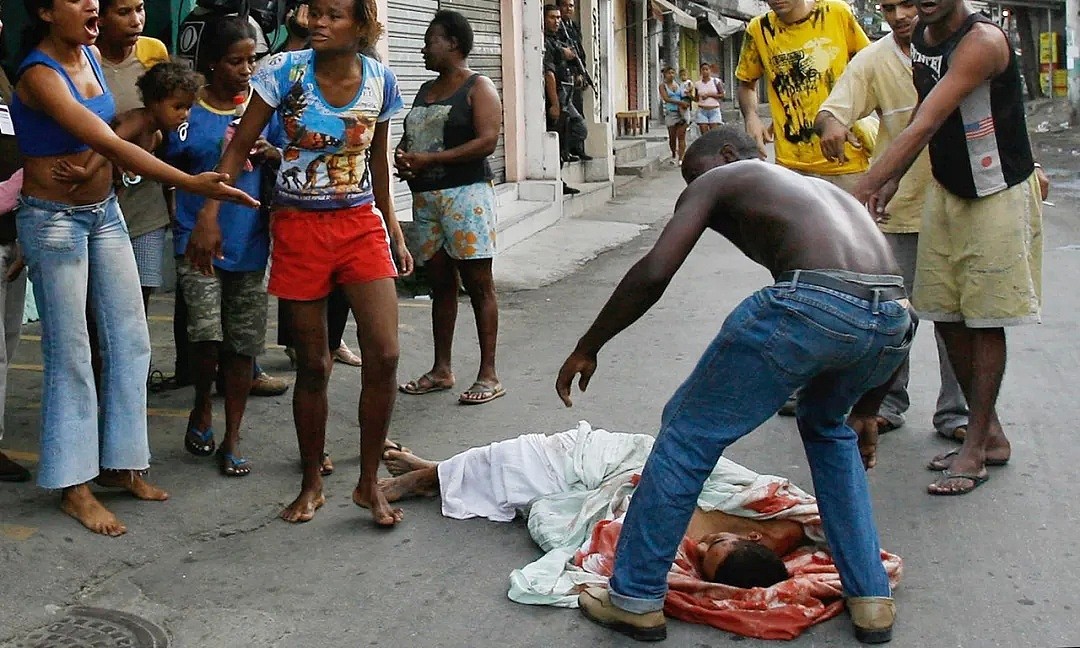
x: 682, y: 19
x: 724, y: 26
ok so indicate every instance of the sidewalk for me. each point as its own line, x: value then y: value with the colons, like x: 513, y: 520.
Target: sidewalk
x: 560, y: 250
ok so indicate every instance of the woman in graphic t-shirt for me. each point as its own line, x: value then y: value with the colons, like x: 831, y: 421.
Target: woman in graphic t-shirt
x: 710, y: 91
x: 333, y: 223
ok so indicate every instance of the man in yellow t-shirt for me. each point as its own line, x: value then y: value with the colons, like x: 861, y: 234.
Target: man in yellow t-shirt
x: 801, y: 48
x: 878, y: 80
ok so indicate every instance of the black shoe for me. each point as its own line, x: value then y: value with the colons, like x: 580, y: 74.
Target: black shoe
x: 570, y: 158
x: 567, y: 190
x: 583, y: 156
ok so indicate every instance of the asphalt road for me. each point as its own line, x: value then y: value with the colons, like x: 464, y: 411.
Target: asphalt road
x: 216, y: 568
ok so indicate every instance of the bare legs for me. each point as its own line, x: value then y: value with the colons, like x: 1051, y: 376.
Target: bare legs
x: 374, y: 306
x: 677, y: 142
x: 237, y: 371
x: 476, y: 276
x: 307, y: 321
x: 978, y: 358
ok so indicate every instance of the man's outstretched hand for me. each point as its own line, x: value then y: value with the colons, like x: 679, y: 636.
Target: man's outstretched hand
x: 867, y: 429
x: 577, y: 363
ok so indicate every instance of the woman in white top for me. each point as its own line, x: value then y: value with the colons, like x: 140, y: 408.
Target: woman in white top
x: 710, y: 91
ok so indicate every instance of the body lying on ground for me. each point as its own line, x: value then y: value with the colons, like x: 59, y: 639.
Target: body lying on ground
x: 753, y: 560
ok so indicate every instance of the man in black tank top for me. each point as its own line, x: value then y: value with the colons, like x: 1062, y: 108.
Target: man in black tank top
x: 979, y: 265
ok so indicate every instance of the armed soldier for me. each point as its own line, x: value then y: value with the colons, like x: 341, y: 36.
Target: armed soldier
x: 563, y: 117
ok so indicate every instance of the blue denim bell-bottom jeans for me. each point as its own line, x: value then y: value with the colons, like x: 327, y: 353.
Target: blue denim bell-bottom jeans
x: 72, y: 251
x: 834, y: 347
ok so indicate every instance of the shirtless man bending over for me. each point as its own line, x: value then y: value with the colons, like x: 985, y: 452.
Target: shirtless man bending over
x: 734, y: 550
x: 835, y: 324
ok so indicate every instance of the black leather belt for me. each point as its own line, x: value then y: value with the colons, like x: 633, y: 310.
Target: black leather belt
x: 883, y: 293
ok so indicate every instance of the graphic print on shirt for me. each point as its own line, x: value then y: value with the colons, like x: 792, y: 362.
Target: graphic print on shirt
x: 332, y: 149
x: 325, y: 162
x: 797, y: 77
x: 426, y: 126
x: 930, y: 64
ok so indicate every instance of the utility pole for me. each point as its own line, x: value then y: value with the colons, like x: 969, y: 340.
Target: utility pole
x: 1072, y: 56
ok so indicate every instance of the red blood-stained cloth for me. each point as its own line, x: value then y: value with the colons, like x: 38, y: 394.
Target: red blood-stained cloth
x: 811, y: 595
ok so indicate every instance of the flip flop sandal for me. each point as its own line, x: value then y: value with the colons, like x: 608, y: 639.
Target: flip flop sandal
x: 200, y: 443
x: 324, y: 469
x: 232, y: 466
x: 413, y: 387
x: 487, y: 393
x: 159, y: 382
x: 936, y: 464
x: 976, y: 481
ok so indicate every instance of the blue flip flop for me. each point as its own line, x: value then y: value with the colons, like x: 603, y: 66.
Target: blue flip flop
x: 232, y: 466
x: 199, y: 442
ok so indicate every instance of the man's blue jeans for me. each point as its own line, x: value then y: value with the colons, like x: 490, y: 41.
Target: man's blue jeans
x: 833, y: 346
x: 69, y: 251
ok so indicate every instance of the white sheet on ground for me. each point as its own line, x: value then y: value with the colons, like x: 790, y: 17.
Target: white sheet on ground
x: 567, y: 482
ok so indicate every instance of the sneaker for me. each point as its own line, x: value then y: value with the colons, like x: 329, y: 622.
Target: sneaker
x: 596, y: 605
x: 344, y: 355
x: 266, y: 385
x: 872, y: 617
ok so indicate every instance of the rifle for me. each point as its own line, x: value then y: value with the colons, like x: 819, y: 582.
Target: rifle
x: 580, y: 59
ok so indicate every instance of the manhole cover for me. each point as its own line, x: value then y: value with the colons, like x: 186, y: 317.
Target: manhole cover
x: 84, y: 627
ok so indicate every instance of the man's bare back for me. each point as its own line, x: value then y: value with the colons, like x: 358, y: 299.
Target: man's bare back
x: 786, y: 221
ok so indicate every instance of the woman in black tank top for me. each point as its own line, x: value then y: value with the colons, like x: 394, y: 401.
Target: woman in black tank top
x: 451, y: 130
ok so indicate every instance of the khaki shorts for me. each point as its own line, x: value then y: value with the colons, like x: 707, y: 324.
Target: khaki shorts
x: 229, y: 307
x: 980, y: 260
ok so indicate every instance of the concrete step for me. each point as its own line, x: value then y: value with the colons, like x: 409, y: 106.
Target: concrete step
x: 640, y: 168
x: 629, y: 150
x: 651, y: 156
x: 558, y: 251
x: 592, y: 197
x: 584, y: 171
x: 520, y: 219
x: 525, y: 208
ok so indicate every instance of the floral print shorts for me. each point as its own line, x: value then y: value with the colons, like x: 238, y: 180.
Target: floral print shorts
x: 460, y: 219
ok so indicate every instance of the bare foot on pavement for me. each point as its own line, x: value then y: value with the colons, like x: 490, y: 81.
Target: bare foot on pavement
x: 132, y: 482
x: 370, y: 497
x: 304, y: 506
x: 80, y: 503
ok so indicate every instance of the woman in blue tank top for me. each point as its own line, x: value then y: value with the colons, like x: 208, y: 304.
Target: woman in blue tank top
x: 451, y: 130
x: 76, y: 243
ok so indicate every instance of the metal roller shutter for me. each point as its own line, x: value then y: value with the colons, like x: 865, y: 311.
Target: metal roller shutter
x: 408, y: 20
x: 486, y: 58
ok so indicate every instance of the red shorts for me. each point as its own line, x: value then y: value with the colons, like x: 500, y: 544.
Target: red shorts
x: 315, y: 250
